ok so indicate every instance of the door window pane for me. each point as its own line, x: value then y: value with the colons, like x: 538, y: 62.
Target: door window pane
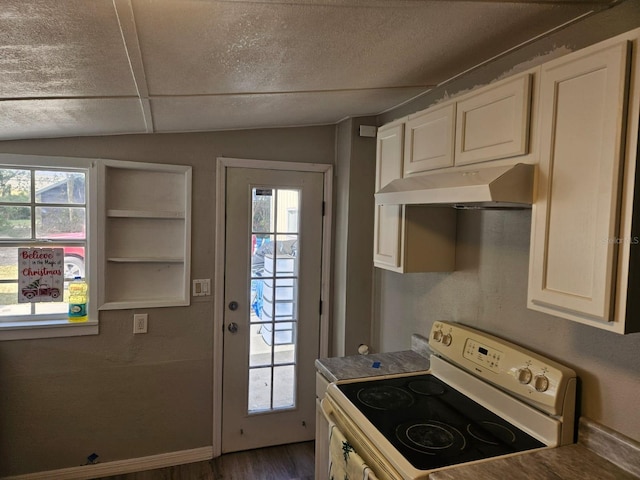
x: 273, y: 283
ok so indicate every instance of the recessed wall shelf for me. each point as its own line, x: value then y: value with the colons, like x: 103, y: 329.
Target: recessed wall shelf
x: 147, y: 235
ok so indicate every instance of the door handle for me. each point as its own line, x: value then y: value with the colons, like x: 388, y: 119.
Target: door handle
x: 233, y: 327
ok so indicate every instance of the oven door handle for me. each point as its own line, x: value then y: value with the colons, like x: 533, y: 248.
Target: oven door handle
x: 327, y: 411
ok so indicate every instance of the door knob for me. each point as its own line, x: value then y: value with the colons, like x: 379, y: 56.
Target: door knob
x: 233, y: 327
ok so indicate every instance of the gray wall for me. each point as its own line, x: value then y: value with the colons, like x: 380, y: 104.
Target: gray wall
x: 353, y: 253
x: 488, y: 290
x: 115, y: 394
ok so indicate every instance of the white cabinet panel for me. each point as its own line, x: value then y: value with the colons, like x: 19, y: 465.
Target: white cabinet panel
x: 494, y: 123
x: 429, y: 140
x: 387, y: 218
x: 575, y: 219
x: 409, y: 238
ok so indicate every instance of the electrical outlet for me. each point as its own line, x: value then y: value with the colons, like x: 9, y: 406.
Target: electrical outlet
x: 140, y: 322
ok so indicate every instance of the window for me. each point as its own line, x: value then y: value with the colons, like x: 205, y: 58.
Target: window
x: 45, y: 203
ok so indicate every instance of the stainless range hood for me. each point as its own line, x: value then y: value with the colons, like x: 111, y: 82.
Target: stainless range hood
x: 485, y: 187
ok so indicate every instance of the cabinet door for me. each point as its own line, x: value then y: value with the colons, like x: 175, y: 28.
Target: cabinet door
x: 494, y: 123
x: 388, y: 218
x: 575, y: 219
x: 429, y: 140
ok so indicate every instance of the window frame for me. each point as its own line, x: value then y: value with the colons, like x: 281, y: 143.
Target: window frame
x: 59, y: 326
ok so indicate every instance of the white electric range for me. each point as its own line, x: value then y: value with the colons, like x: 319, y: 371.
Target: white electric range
x: 481, y: 399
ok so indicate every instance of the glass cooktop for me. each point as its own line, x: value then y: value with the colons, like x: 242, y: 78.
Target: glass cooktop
x: 433, y: 425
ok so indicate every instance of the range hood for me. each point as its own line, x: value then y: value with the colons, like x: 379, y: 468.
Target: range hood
x: 509, y: 186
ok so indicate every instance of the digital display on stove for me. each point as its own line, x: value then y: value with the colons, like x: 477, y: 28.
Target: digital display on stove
x: 433, y: 425
x: 483, y: 350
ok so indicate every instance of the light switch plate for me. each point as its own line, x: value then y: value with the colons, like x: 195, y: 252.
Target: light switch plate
x: 202, y: 287
x: 140, y: 322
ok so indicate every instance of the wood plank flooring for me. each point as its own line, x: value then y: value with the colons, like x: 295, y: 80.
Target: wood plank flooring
x: 284, y: 462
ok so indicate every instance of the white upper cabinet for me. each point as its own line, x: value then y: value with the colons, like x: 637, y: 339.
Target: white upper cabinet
x: 581, y: 221
x: 494, y: 122
x: 408, y: 238
x: 429, y: 139
x: 388, y: 218
x: 488, y: 124
x: 146, y: 228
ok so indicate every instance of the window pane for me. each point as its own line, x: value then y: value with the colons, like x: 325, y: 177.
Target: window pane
x: 259, y: 389
x: 260, y: 351
x: 15, y: 222
x: 288, y: 208
x: 285, y: 353
x: 262, y: 215
x: 60, y: 222
x: 260, y: 245
x: 283, y: 386
x: 73, y: 262
x: 15, y: 185
x: 59, y: 187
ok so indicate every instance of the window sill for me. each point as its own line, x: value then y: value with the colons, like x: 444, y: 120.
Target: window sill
x: 46, y: 329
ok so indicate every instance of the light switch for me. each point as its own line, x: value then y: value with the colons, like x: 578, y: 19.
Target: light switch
x: 202, y: 287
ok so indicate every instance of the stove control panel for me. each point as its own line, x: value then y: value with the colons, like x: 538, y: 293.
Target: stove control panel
x: 521, y: 372
x: 483, y: 355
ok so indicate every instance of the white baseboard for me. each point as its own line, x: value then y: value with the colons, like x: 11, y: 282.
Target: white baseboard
x: 120, y: 467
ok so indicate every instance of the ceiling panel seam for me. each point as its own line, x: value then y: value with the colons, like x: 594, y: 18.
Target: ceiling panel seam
x: 128, y: 30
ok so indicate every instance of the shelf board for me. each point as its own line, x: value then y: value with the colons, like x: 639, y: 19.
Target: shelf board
x: 145, y: 259
x: 166, y: 214
x: 144, y: 303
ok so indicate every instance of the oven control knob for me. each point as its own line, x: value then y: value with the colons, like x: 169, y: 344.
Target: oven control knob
x: 437, y: 335
x: 541, y: 383
x: 524, y: 375
x: 447, y: 339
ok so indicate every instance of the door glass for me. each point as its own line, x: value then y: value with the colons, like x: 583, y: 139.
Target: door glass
x: 274, y: 299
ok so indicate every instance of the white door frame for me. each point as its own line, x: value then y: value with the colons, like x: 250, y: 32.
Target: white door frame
x: 218, y: 290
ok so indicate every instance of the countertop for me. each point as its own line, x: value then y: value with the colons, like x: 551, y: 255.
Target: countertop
x: 360, y: 366
x: 572, y: 462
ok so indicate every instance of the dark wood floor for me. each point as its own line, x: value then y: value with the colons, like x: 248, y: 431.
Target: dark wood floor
x: 285, y: 462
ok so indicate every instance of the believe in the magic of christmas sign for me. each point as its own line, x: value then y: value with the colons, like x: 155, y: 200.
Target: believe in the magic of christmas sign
x: 40, y: 275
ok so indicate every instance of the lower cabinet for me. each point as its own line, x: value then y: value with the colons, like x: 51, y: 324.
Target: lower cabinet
x: 322, y: 432
x: 581, y: 238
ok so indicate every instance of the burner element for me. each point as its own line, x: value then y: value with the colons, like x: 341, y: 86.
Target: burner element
x: 491, y: 433
x: 384, y: 397
x: 427, y: 387
x: 431, y: 436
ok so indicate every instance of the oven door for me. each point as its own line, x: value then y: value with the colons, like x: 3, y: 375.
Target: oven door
x: 338, y: 419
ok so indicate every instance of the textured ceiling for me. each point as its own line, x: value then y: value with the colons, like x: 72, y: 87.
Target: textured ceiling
x: 100, y: 67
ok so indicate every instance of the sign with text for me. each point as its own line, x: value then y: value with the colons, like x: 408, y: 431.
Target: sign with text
x: 40, y: 275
